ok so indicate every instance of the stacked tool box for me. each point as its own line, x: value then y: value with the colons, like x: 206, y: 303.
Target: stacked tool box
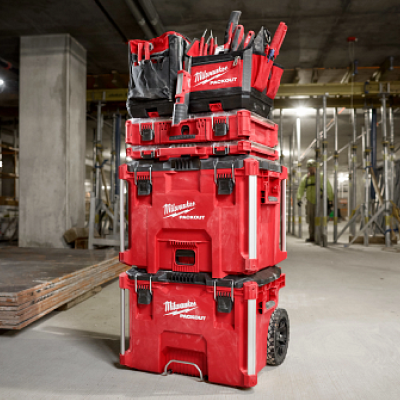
x: 206, y: 207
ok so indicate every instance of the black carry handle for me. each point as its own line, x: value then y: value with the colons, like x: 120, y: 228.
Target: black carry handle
x: 234, y: 18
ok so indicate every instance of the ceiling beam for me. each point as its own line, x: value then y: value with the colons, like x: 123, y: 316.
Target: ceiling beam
x: 385, y: 67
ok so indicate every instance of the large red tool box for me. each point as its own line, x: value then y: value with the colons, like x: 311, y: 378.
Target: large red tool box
x: 211, y: 127
x: 203, y: 150
x: 220, y: 215
x: 199, y: 326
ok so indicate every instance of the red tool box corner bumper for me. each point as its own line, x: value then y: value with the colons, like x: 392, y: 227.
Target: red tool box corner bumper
x: 195, y: 325
x: 224, y: 215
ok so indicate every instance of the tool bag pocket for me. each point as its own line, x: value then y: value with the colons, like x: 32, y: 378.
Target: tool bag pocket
x: 274, y: 81
x: 153, y: 68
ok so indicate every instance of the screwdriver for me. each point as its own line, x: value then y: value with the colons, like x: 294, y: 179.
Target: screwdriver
x: 211, y: 48
x: 202, y: 42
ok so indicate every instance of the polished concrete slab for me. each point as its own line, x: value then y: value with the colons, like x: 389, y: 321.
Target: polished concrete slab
x: 344, y: 310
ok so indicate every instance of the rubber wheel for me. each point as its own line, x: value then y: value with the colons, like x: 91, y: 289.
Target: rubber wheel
x: 278, y: 337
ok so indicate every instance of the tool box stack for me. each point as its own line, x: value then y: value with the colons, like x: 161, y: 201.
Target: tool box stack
x: 206, y: 207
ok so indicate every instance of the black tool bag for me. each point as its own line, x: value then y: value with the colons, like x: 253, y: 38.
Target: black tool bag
x: 153, y: 68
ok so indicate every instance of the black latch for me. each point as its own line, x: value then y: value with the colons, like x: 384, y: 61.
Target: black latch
x: 144, y: 296
x: 225, y: 184
x: 147, y: 134
x: 224, y: 299
x: 224, y: 302
x: 144, y: 293
x: 221, y: 128
x: 144, y: 187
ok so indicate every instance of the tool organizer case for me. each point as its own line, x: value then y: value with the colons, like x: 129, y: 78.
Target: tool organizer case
x: 153, y: 74
x: 195, y: 325
x: 223, y: 213
x: 209, y: 127
x: 232, y: 81
x: 202, y: 150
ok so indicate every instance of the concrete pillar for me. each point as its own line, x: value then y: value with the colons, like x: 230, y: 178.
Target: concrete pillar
x: 52, y: 115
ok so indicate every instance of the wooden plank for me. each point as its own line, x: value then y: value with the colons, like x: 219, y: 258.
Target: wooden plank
x: 33, y: 282
x: 80, y: 299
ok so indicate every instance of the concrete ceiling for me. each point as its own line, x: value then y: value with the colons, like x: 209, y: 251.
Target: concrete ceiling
x: 317, y: 33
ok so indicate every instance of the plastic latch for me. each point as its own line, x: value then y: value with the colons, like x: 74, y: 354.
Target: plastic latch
x: 224, y: 299
x: 147, y: 154
x: 224, y: 302
x: 221, y: 128
x: 144, y: 296
x: 221, y: 151
x: 147, y: 134
x: 214, y: 107
x: 225, y: 184
x: 144, y: 187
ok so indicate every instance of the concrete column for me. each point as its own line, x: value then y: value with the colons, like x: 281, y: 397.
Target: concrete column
x: 52, y: 115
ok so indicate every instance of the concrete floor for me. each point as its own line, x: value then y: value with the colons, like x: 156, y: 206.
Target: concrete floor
x: 344, y: 310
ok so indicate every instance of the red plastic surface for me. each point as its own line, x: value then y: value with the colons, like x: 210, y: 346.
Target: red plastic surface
x: 182, y: 323
x: 242, y: 125
x: 184, y: 211
x: 242, y: 147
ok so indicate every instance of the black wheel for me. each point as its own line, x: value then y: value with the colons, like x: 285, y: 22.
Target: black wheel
x: 278, y: 337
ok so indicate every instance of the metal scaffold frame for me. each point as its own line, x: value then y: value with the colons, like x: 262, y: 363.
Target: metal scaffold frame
x: 366, y: 213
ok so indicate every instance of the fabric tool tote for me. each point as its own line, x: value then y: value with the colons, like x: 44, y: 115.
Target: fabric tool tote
x: 206, y: 207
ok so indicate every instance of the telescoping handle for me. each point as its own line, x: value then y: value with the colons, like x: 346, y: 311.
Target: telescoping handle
x: 122, y: 249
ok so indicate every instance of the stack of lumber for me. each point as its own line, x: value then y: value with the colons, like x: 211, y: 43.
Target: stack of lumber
x: 33, y: 282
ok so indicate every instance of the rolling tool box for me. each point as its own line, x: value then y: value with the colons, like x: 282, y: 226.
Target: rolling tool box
x: 202, y: 150
x: 210, y: 127
x: 220, y: 215
x: 220, y: 329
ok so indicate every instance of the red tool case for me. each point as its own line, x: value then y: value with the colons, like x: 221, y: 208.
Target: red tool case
x: 211, y: 127
x: 219, y: 215
x: 194, y: 325
x: 203, y: 150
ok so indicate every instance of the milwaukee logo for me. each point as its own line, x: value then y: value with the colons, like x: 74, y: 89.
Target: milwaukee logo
x: 173, y: 210
x: 203, y: 77
x: 182, y: 309
x: 172, y: 308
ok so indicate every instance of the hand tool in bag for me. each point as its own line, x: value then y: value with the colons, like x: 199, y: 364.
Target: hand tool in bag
x: 183, y: 83
x: 194, y: 48
x: 248, y: 41
x: 215, y: 46
x: 139, y: 52
x: 208, y: 44
x: 237, y: 37
x: 277, y: 41
x: 211, y: 47
x: 230, y: 28
x: 259, y: 41
x: 202, y: 42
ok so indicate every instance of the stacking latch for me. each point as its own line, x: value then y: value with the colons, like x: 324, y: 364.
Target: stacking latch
x: 147, y: 132
x: 143, y: 183
x: 224, y: 182
x: 221, y: 127
x: 144, y: 293
x: 224, y: 299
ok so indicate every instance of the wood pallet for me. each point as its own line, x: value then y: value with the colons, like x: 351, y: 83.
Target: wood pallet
x: 33, y: 282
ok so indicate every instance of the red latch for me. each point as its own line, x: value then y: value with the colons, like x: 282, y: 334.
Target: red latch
x: 153, y: 114
x: 215, y: 107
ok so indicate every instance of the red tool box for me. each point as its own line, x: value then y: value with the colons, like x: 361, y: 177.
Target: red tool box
x: 203, y: 150
x: 191, y: 324
x: 220, y: 215
x: 211, y: 127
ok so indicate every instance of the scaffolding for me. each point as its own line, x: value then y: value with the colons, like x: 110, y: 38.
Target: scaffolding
x: 377, y: 214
